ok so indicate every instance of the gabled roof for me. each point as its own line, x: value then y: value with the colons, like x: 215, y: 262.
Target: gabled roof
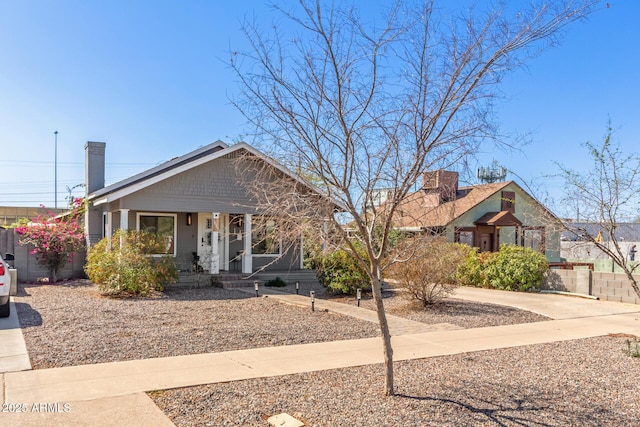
x: 417, y: 211
x: 181, y: 164
x: 500, y: 219
x: 624, y: 231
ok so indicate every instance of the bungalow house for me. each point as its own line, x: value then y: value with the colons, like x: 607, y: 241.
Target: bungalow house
x: 484, y: 216
x: 197, y: 202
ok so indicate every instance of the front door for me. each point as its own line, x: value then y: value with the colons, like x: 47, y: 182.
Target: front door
x: 205, y: 241
x: 486, y: 242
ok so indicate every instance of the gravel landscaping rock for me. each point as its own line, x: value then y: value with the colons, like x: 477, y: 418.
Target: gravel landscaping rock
x: 587, y: 382
x: 72, y: 324
x: 583, y: 382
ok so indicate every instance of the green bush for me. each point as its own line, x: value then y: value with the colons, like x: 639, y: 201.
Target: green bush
x: 515, y: 268
x: 469, y: 272
x: 511, y: 268
x: 128, y: 269
x: 340, y: 272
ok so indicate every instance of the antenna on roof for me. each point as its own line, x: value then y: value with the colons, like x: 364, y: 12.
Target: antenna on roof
x: 493, y: 173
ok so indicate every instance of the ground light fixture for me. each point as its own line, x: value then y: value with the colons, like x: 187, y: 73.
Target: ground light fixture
x: 297, y: 288
x: 358, y: 295
x: 313, y: 301
x: 255, y: 286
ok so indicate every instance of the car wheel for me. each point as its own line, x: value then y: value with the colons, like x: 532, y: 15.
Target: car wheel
x: 5, y: 309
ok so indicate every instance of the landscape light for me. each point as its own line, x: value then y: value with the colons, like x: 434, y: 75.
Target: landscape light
x: 313, y: 301
x: 358, y: 295
x: 255, y: 285
x: 297, y: 288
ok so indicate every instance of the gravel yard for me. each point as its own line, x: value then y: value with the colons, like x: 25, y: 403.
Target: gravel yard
x: 72, y: 324
x: 587, y: 382
x: 581, y: 382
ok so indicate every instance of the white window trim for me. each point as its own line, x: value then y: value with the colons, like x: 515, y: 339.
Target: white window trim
x: 175, y: 228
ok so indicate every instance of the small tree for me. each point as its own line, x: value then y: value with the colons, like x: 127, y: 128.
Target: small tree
x: 54, y: 238
x: 368, y: 105
x: 430, y: 274
x: 607, y: 194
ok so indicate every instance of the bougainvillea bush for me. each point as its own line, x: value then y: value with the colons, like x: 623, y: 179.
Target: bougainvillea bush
x: 54, y: 238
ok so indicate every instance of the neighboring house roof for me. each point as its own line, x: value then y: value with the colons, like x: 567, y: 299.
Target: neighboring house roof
x: 418, y: 211
x: 627, y: 231
x: 180, y: 164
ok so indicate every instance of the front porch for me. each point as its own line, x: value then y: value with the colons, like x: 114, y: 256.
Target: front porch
x: 211, y: 242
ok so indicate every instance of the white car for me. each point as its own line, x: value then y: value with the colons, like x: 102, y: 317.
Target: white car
x: 5, y: 288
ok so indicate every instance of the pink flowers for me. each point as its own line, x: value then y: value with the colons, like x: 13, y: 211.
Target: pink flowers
x: 54, y: 238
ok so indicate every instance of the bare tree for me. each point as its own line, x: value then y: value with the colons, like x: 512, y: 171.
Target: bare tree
x: 363, y: 106
x: 607, y: 195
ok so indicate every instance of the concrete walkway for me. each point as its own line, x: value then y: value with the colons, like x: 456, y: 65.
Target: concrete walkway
x: 397, y: 325
x: 13, y: 351
x: 91, y: 389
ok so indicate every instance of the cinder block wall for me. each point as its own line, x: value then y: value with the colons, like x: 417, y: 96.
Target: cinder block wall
x: 614, y: 287
x: 26, y: 263
x: 606, y: 286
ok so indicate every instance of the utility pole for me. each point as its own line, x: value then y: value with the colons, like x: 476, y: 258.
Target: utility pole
x: 55, y: 171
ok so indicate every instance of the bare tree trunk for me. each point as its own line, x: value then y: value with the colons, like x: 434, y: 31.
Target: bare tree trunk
x: 386, y: 337
x: 633, y: 281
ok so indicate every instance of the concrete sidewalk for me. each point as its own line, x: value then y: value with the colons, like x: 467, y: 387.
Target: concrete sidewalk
x: 13, y: 351
x: 91, y: 389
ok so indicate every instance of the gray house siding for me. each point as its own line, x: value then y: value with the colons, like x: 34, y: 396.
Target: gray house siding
x: 211, y: 187
x: 195, y: 185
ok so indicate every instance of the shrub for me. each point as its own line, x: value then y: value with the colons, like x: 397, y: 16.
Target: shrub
x: 470, y: 270
x: 633, y: 348
x: 127, y: 269
x: 340, y: 272
x: 514, y: 268
x: 277, y: 283
x: 429, y: 274
x: 54, y: 238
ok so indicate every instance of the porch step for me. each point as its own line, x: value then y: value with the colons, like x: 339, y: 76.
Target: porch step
x: 230, y: 281
x: 291, y: 276
x: 193, y: 280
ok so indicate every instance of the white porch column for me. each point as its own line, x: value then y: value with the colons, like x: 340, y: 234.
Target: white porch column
x: 124, y: 223
x: 247, y: 260
x: 215, y: 233
x: 301, y: 251
x: 108, y: 226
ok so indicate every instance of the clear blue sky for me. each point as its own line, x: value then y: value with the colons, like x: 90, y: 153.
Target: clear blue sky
x: 149, y: 79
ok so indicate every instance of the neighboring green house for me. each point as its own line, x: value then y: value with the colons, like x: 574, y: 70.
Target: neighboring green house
x: 198, y: 202
x: 484, y: 216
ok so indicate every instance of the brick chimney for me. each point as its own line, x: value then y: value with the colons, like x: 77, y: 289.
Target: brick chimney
x: 94, y: 166
x: 439, y: 186
x: 94, y: 162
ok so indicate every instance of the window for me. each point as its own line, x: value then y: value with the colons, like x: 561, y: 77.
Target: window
x: 464, y: 235
x: 164, y: 226
x: 534, y: 238
x: 263, y: 237
x: 508, y: 201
